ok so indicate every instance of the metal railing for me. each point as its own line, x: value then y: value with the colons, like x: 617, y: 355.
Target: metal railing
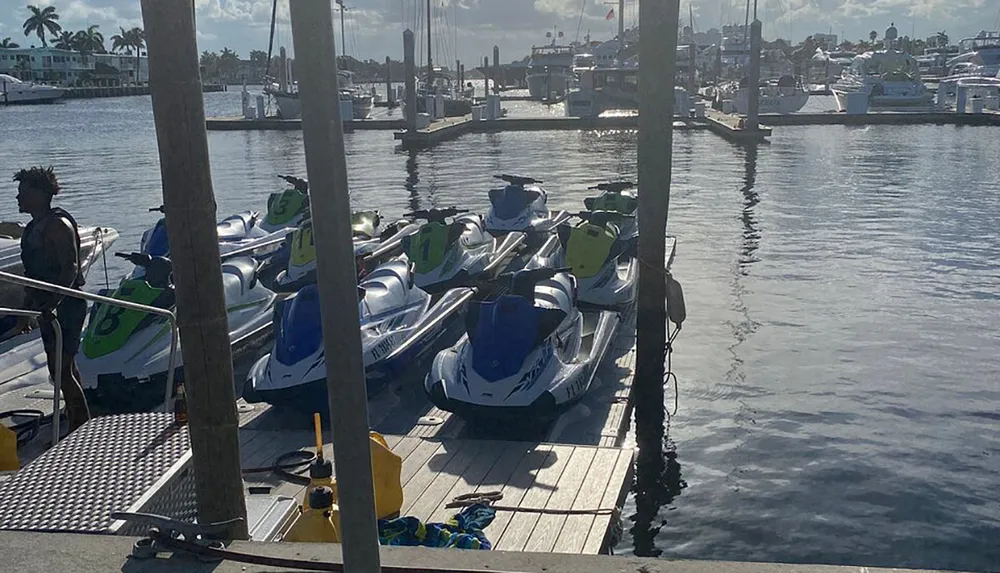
x: 169, y: 315
x: 57, y: 381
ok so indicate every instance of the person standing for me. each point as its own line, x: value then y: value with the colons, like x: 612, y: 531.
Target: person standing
x: 50, y: 252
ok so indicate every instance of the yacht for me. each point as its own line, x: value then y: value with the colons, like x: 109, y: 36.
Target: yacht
x: 979, y: 56
x: 289, y: 106
x: 613, y: 89
x: 782, y: 95
x: 457, y: 100
x: 13, y: 90
x: 891, y: 78
x: 550, y: 70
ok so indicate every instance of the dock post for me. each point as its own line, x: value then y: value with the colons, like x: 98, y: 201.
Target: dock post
x: 692, y: 68
x: 189, y: 204
x: 659, y: 48
x: 458, y: 74
x: 497, y: 86
x: 753, y: 82
x: 388, y: 82
x: 410, y: 69
x: 336, y: 279
x: 486, y: 77
x: 282, y: 69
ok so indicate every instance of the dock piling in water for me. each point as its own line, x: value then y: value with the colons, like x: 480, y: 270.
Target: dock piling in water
x: 497, y: 85
x: 336, y: 278
x: 753, y: 81
x: 388, y: 82
x: 410, y: 70
x: 189, y: 201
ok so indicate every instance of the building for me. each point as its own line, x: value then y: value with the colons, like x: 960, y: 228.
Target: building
x: 828, y: 41
x: 71, y: 68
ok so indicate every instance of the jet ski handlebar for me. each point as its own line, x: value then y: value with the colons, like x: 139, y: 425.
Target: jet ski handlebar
x: 435, y: 215
x: 299, y: 184
x: 517, y: 180
x: 159, y: 209
x: 613, y: 186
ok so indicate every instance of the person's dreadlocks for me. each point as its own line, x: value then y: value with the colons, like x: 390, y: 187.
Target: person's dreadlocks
x: 41, y: 178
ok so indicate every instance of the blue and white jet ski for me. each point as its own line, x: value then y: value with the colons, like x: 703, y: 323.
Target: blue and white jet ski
x: 449, y: 254
x: 522, y: 206
x: 530, y: 353
x: 620, y: 197
x: 124, y: 355
x: 600, y: 259
x: 398, y: 323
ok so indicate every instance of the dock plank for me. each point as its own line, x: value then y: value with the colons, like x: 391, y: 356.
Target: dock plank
x: 576, y: 528
x: 503, y: 463
x: 518, y: 530
x: 418, y: 459
x: 547, y: 527
x: 458, y: 467
x: 516, y: 487
x: 425, y: 474
x: 621, y: 479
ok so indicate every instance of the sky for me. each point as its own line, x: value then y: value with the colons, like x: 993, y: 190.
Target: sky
x: 468, y: 29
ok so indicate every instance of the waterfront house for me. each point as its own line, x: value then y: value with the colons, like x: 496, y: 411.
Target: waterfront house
x: 71, y: 68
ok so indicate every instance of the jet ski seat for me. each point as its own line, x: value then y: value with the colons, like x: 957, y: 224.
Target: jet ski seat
x: 243, y: 268
x: 509, y: 201
x: 236, y: 227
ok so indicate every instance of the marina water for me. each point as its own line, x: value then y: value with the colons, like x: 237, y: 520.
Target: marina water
x: 839, y: 365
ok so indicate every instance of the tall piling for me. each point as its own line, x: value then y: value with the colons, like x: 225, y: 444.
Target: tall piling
x: 389, y: 96
x: 497, y: 84
x: 189, y: 206
x: 486, y: 77
x: 753, y: 81
x: 336, y: 279
x: 658, y: 52
x: 410, y: 69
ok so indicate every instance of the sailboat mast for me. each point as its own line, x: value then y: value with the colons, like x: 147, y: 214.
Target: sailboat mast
x: 430, y: 65
x: 270, y: 40
x: 621, y: 25
x: 343, y: 36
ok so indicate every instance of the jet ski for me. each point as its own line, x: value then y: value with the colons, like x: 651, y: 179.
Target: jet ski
x: 124, y: 356
x: 521, y: 205
x: 244, y: 233
x: 620, y: 197
x: 600, y: 259
x: 448, y: 254
x: 294, y: 264
x: 398, y: 324
x: 529, y: 353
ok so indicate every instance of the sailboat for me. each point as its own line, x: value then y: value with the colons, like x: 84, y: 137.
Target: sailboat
x: 437, y: 81
x: 285, y: 92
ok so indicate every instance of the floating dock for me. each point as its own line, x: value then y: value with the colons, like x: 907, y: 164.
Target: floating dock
x: 562, y: 486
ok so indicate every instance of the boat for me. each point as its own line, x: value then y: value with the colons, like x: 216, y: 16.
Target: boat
x: 289, y: 106
x: 94, y: 242
x: 399, y: 322
x: 528, y: 355
x: 889, y: 77
x: 15, y: 91
x: 550, y: 69
x: 600, y: 90
x: 521, y: 206
x: 782, y: 95
x: 441, y: 83
x: 447, y: 254
x: 979, y: 57
x: 124, y: 355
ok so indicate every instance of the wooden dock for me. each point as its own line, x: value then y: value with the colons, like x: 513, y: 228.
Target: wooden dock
x: 728, y: 126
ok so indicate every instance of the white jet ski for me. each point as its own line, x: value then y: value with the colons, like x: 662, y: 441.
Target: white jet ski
x: 521, y: 205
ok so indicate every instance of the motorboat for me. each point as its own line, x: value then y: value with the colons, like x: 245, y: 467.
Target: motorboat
x: 442, y: 87
x: 124, y: 356
x: 600, y: 90
x: 979, y: 57
x: 550, y: 69
x: 399, y: 322
x: 889, y: 77
x: 15, y: 91
x: 782, y: 95
x: 289, y: 106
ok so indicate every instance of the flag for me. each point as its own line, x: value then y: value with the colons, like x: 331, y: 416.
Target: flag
x: 611, y: 15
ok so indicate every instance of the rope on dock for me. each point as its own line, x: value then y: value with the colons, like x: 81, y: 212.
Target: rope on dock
x: 489, y: 497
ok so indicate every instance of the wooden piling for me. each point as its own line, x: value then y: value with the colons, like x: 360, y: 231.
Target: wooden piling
x: 410, y: 69
x: 753, y: 81
x: 336, y: 279
x: 486, y: 77
x: 658, y: 52
x: 389, y: 96
x: 497, y: 85
x: 189, y: 202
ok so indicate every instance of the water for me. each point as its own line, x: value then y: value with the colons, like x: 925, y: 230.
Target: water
x: 838, y: 364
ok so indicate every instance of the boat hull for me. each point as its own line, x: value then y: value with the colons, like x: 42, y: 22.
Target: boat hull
x: 540, y: 88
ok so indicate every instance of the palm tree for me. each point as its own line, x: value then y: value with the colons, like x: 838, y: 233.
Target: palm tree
x: 227, y: 61
x: 872, y: 36
x: 41, y: 21
x: 6, y: 43
x: 119, y: 42
x: 66, y: 41
x: 90, y: 41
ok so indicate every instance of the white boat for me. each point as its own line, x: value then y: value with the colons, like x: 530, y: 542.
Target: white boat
x: 550, y: 70
x: 979, y: 57
x: 289, y: 106
x: 783, y: 95
x: 890, y: 78
x: 613, y: 89
x: 13, y: 90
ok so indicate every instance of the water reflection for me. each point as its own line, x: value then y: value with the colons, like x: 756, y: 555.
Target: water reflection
x: 657, y: 483
x: 412, y: 178
x: 751, y: 232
